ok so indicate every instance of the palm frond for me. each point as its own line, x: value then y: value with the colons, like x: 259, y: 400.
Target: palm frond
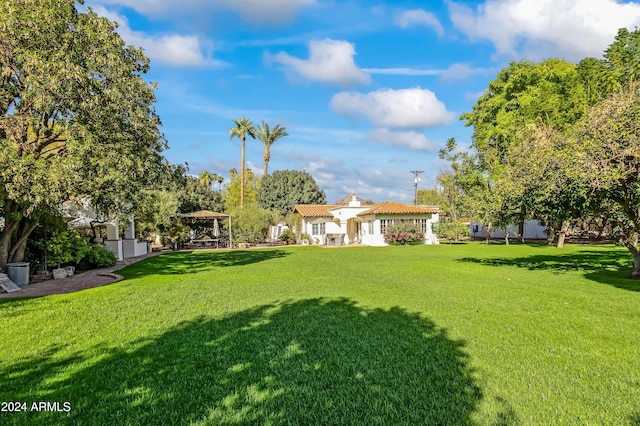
x: 269, y: 136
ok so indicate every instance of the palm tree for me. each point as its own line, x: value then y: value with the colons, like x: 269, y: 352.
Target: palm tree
x: 206, y: 179
x: 268, y: 138
x: 244, y: 127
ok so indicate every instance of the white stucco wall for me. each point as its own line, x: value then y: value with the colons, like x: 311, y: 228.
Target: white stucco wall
x: 330, y: 228
x: 532, y: 230
x: 377, y: 239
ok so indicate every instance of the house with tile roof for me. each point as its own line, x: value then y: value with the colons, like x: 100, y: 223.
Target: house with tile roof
x: 364, y: 224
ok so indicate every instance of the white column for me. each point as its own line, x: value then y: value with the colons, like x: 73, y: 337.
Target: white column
x: 114, y: 243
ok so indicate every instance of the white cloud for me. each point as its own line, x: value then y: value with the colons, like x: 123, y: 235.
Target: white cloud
x: 419, y: 17
x: 330, y: 61
x: 460, y: 71
x: 259, y: 12
x: 404, y: 71
x: 539, y: 29
x: 457, y: 71
x: 412, y: 140
x: 413, y: 108
x: 380, y: 184
x: 172, y: 49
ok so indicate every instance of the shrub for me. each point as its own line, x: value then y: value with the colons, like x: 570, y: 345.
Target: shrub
x: 99, y: 257
x: 306, y: 237
x: 250, y: 224
x: 288, y: 236
x: 63, y: 246
x: 404, y: 233
x: 450, y: 230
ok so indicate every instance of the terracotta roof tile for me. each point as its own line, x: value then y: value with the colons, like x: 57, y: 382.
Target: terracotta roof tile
x: 313, y: 210
x: 392, y: 207
x: 347, y: 199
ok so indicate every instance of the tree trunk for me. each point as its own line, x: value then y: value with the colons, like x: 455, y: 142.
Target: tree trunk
x: 5, y: 242
x: 506, y: 237
x: 267, y: 157
x: 635, y: 271
x: 16, y: 253
x: 488, y: 237
x: 551, y: 235
x: 523, y: 213
x: 563, y: 233
x: 10, y: 227
x: 242, y: 174
x: 605, y: 220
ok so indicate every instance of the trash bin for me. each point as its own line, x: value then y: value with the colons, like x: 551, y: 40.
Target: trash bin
x: 18, y: 272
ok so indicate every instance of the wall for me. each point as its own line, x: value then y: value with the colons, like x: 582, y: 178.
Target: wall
x: 532, y: 231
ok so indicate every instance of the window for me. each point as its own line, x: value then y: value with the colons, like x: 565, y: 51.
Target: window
x: 371, y: 227
x: 422, y: 223
x: 384, y: 223
x: 318, y: 229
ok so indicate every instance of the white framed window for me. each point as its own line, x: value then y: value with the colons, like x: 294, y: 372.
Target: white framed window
x: 318, y: 229
x: 422, y: 223
x: 370, y: 227
x: 384, y: 224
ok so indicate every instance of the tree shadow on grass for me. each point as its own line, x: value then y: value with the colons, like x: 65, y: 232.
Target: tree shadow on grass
x: 607, y: 267
x: 187, y: 262
x: 309, y: 362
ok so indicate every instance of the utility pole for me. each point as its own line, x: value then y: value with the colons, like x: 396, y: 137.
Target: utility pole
x: 417, y: 174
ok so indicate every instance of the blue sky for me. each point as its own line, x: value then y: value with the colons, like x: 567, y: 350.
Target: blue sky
x: 367, y: 90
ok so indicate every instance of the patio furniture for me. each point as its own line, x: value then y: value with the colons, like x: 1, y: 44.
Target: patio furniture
x: 206, y: 243
x: 221, y: 238
x: 334, y: 239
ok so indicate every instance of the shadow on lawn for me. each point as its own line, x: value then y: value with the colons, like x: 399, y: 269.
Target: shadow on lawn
x: 607, y: 267
x: 309, y: 362
x: 187, y: 262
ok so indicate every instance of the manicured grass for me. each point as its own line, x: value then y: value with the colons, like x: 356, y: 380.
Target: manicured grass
x: 449, y: 334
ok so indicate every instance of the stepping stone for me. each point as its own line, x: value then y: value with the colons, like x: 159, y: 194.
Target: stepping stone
x: 8, y: 285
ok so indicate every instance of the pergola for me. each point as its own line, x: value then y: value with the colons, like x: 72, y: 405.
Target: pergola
x: 208, y: 215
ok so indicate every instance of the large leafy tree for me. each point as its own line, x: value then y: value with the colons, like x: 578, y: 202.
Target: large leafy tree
x: 268, y: 137
x: 244, y: 127
x: 608, y: 147
x: 283, y: 189
x: 155, y: 211
x: 429, y: 197
x: 539, y: 175
x: 231, y: 192
x: 523, y: 94
x: 76, y: 116
x: 461, y: 185
x: 196, y: 194
x: 623, y: 60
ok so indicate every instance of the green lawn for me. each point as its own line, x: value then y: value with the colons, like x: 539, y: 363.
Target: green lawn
x: 448, y: 334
